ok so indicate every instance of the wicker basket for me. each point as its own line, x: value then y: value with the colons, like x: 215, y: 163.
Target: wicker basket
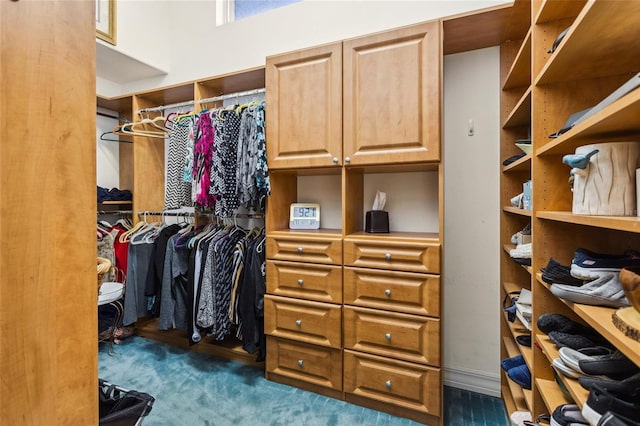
x: 104, y: 265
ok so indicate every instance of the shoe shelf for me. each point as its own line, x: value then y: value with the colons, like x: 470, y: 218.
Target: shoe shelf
x: 520, y: 73
x: 520, y: 165
x: 620, y: 119
x: 507, y: 248
x: 551, y: 394
x: 513, y: 347
x: 585, y: 53
x: 516, y: 210
x: 619, y: 223
x: 578, y: 393
x: 516, y: 390
x: 553, y: 10
x: 521, y: 114
x: 600, y: 319
x: 510, y: 287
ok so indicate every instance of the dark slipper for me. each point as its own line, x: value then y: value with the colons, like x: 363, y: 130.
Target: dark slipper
x: 558, y: 322
x: 524, y: 340
x: 521, y: 375
x: 573, y: 341
x: 509, y: 363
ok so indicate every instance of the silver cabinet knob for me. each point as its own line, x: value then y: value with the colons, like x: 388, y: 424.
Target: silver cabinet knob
x: 300, y: 282
x: 387, y: 293
x: 347, y: 159
x: 388, y: 384
x: 298, y: 323
x: 387, y: 256
x: 300, y: 250
x: 387, y: 336
x: 335, y: 160
x: 300, y: 362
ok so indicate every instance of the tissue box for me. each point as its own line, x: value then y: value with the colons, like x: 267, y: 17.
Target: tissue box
x: 376, y: 221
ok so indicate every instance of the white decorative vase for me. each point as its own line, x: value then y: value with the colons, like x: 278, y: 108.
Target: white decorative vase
x: 607, y: 186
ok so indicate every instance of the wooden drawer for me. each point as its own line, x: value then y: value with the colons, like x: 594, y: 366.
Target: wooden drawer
x: 401, y: 336
x: 310, y: 322
x: 305, y: 248
x: 322, y: 283
x: 411, y: 256
x: 396, y: 291
x: 313, y: 364
x: 412, y: 386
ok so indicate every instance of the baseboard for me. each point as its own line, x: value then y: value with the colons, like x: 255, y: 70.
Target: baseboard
x: 472, y: 380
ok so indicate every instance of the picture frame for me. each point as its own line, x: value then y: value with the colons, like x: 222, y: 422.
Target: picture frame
x: 106, y: 20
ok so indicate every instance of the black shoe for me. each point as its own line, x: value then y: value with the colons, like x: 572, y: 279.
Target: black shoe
x: 614, y: 366
x: 555, y: 273
x: 567, y: 414
x: 612, y: 419
x: 558, y: 322
x: 575, y: 341
x: 524, y: 340
x: 628, y: 386
x: 600, y: 401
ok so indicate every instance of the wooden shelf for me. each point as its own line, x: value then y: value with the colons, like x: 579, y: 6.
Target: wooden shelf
x: 114, y: 203
x: 309, y: 232
x: 507, y: 248
x: 422, y: 236
x: 518, y: 211
x: 619, y: 121
x: 620, y: 223
x: 585, y: 53
x: 520, y: 73
x: 550, y: 350
x: 512, y: 346
x: 552, y: 10
x: 521, y: 114
x: 511, y: 287
x: 520, y: 165
x: 551, y: 394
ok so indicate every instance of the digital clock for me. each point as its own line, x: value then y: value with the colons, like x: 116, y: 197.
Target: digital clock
x: 304, y: 216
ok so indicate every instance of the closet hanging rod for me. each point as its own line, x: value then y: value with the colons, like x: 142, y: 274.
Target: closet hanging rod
x: 184, y: 214
x: 232, y: 95
x: 189, y: 214
x: 203, y: 101
x: 101, y: 212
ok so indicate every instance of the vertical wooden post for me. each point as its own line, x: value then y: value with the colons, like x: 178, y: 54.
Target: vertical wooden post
x: 48, y: 296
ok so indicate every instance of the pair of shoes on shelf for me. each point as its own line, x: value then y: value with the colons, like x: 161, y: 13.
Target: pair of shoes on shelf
x: 603, y: 291
x: 517, y: 370
x: 556, y: 273
x: 621, y: 408
x: 523, y: 236
x: 600, y: 362
x: 568, y: 415
x: 628, y: 386
x: 589, y: 265
x: 563, y: 331
x: 522, y: 251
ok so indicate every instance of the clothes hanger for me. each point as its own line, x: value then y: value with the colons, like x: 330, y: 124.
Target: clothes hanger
x: 105, y: 139
x: 126, y: 129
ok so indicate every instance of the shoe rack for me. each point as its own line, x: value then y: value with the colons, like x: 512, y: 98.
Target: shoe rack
x: 540, y: 90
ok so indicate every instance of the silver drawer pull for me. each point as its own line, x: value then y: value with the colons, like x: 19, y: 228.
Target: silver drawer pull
x: 387, y: 336
x: 335, y: 160
x: 347, y: 159
x: 388, y: 384
x: 387, y: 256
x: 300, y: 250
x: 298, y: 323
x: 300, y: 282
x: 300, y: 362
x: 387, y: 293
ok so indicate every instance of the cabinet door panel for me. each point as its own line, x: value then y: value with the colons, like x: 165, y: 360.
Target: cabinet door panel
x: 310, y: 322
x: 400, y: 336
x: 396, y: 291
x: 407, y: 385
x: 314, y: 364
x: 304, y: 98
x: 400, y: 256
x: 322, y: 283
x: 392, y: 104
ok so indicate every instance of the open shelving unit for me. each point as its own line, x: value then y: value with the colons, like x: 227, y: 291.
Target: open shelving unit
x: 583, y: 70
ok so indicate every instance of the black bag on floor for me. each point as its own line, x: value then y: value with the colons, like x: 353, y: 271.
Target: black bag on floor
x: 121, y: 407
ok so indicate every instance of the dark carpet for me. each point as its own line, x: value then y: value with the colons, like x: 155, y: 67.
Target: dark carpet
x: 195, y: 389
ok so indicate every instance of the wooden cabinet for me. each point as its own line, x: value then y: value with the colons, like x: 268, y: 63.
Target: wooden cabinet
x: 583, y: 70
x: 305, y: 108
x: 386, y: 307
x: 392, y: 96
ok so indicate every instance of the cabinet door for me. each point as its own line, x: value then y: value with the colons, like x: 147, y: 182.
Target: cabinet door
x: 392, y: 85
x: 304, y: 98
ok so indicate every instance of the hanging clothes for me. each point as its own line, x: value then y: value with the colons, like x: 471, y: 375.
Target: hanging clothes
x: 202, y: 157
x: 178, y: 190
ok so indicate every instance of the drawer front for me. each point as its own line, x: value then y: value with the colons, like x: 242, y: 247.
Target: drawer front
x: 412, y: 386
x: 400, y: 336
x: 322, y: 283
x: 399, y: 256
x: 310, y: 322
x: 396, y: 291
x: 314, y: 364
x: 305, y: 249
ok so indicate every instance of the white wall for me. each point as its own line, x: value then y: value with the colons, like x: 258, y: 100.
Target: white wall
x: 107, y: 154
x: 471, y: 209
x: 181, y: 38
